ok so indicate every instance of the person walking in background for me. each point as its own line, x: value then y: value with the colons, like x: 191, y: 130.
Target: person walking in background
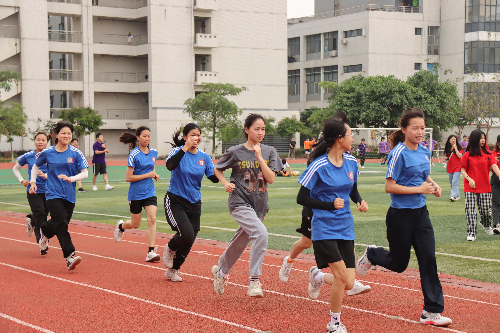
x: 464, y: 142
x: 129, y: 38
x: 307, y: 147
x: 291, y: 149
x: 99, y: 162
x: 74, y: 143
x: 454, y: 156
x: 254, y: 166
x: 475, y: 167
x: 362, y: 153
x: 37, y: 201
x: 382, y: 150
x: 65, y: 165
x: 182, y: 203
x: 408, y: 223
x: 141, y: 193
x: 495, y: 190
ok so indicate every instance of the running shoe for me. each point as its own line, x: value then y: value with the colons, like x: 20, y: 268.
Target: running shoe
x: 489, y: 231
x: 429, y: 318
x: 335, y: 328
x: 363, y: 264
x: 152, y: 256
x: 94, y: 188
x: 314, y: 287
x: 496, y: 230
x: 44, y: 252
x: 108, y: 187
x: 29, y: 227
x: 255, y: 289
x: 471, y: 238
x: 358, y: 289
x: 285, y: 270
x: 72, y: 261
x: 219, y: 281
x: 172, y: 275
x: 43, y: 243
x: 118, y: 233
x: 81, y: 190
x: 168, y: 257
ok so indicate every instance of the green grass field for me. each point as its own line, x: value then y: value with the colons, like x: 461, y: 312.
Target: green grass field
x: 284, y: 217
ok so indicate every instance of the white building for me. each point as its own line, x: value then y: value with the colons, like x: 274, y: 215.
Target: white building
x: 76, y: 53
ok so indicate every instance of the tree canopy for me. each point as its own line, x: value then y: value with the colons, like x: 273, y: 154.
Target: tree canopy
x: 85, y: 120
x: 12, y: 122
x: 7, y: 78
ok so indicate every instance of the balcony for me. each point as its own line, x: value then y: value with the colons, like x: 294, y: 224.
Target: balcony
x: 76, y: 2
x: 12, y: 69
x: 129, y: 4
x: 124, y: 114
x: 119, y: 39
x: 120, y: 77
x: 9, y: 31
x: 206, y: 77
x: 206, y: 5
x: 65, y: 36
x: 65, y: 75
x: 206, y: 40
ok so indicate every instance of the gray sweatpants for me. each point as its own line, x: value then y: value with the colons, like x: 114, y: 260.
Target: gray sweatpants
x: 251, y: 229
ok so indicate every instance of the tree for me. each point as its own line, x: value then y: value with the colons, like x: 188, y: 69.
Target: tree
x: 289, y: 126
x: 42, y: 126
x: 85, y: 120
x: 214, y: 113
x: 12, y: 121
x: 7, y: 78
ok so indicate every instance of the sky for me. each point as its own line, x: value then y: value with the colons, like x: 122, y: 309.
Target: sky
x: 300, y: 8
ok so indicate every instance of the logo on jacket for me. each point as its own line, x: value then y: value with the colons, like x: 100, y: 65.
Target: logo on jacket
x: 153, y: 159
x: 201, y: 162
x: 351, y: 175
x: 69, y: 160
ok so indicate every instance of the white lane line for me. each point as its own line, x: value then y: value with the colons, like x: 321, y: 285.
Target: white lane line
x: 131, y: 297
x: 18, y: 321
x: 246, y: 286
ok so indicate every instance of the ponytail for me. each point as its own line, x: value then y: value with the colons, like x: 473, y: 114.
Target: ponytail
x: 185, y: 131
x: 396, y: 138
x: 131, y: 139
x: 320, y: 149
x: 334, y: 129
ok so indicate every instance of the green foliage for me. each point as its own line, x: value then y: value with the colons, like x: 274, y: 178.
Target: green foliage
x: 214, y: 113
x: 12, y: 121
x: 42, y: 126
x: 7, y: 78
x: 289, y: 126
x: 85, y: 120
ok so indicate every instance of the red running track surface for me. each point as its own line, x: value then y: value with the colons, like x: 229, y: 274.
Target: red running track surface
x: 115, y: 290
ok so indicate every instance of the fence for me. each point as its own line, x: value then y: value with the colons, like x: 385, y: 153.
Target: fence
x: 119, y: 39
x: 120, y: 77
x: 65, y: 75
x: 65, y: 36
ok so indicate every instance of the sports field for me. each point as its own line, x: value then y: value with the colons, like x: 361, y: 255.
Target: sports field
x: 479, y: 260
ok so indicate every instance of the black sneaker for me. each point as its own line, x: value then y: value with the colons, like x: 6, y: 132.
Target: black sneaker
x: 81, y: 190
x: 72, y: 261
x: 44, y: 252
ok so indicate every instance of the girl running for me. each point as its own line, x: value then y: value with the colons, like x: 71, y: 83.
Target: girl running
x: 65, y: 165
x: 476, y: 164
x: 37, y: 202
x: 408, y: 222
x: 454, y: 155
x: 327, y: 185
x: 248, y: 201
x: 182, y: 202
x: 141, y: 193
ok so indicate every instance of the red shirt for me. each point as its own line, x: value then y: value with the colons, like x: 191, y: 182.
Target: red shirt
x: 478, y: 168
x: 454, y: 163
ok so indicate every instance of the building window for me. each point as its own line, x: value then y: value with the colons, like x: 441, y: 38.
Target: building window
x: 330, y: 73
x: 418, y: 66
x: 313, y: 43
x: 294, y: 82
x: 293, y: 47
x: 482, y: 15
x: 433, y: 40
x: 418, y: 31
x: 353, y: 68
x: 313, y: 78
x: 481, y: 57
x: 331, y: 40
x: 353, y: 33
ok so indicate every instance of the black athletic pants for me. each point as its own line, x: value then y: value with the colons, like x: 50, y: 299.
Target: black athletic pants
x: 407, y: 227
x: 183, y: 217
x: 39, y: 211
x: 495, y: 199
x: 362, y: 159
x: 60, y: 211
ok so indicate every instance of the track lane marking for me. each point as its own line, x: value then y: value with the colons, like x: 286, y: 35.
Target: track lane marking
x: 18, y: 321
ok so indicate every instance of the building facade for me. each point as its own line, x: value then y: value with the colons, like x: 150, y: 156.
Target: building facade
x: 137, y: 61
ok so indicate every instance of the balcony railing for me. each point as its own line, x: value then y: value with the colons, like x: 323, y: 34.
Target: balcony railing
x: 124, y: 114
x: 206, y: 40
x: 9, y: 31
x: 131, y: 4
x: 120, y: 77
x: 78, y: 2
x: 12, y: 69
x: 206, y: 77
x: 65, y: 36
x: 65, y: 75
x: 207, y: 5
x: 119, y: 39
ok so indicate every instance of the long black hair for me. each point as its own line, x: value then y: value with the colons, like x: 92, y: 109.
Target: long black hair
x: 60, y: 125
x: 334, y: 129
x: 250, y: 120
x: 408, y: 114
x: 131, y: 139
x: 181, y: 142
x: 447, y: 147
x: 474, y: 147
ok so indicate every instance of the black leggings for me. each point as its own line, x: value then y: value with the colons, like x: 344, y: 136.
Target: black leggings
x: 362, y: 159
x: 39, y: 211
x: 61, y: 211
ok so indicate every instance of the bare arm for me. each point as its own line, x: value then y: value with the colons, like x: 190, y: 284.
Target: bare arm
x: 229, y: 187
x: 392, y: 187
x: 130, y: 177
x: 471, y: 181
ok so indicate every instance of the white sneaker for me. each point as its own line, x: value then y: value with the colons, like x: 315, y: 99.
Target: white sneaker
x: 108, y: 187
x: 456, y: 199
x: 43, y: 242
x: 471, y: 238
x: 358, y: 289
x: 29, y: 227
x: 94, y: 188
x: 168, y: 257
x: 152, y: 256
x: 172, y: 275
x: 285, y: 270
x: 314, y: 287
x: 219, y: 281
x: 118, y: 233
x: 429, y: 318
x: 363, y: 167
x: 255, y: 289
x: 336, y: 328
x: 363, y: 264
x: 489, y: 231
x: 72, y: 261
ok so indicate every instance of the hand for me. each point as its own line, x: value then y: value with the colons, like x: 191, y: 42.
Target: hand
x: 258, y: 151
x: 229, y: 187
x: 426, y: 188
x: 190, y: 142
x: 41, y: 174
x: 338, y: 203
x: 25, y: 183
x: 106, y: 150
x: 437, y: 190
x: 472, y: 183
x: 64, y: 177
x: 362, y: 206
x: 151, y: 174
x: 157, y: 177
x: 33, y: 188
x: 103, y: 146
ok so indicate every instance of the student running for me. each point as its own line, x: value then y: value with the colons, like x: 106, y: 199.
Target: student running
x: 37, y: 202
x: 65, y: 165
x: 182, y: 202
x: 408, y: 181
x: 327, y: 185
x: 253, y: 165
x: 141, y: 193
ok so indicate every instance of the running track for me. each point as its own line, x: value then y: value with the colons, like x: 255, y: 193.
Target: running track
x: 114, y: 290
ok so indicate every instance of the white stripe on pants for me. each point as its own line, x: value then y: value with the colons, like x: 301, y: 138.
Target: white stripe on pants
x: 484, y: 206
x: 251, y: 229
